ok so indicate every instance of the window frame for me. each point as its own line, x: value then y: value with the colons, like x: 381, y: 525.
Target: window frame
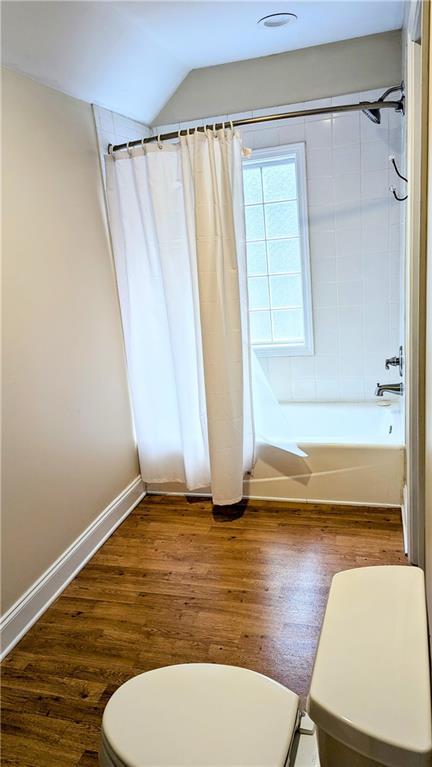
x: 282, y: 152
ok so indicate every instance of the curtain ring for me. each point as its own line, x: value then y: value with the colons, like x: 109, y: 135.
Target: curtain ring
x: 159, y: 142
x: 128, y: 149
x: 142, y: 145
x: 231, y: 125
x: 214, y: 131
x: 110, y: 150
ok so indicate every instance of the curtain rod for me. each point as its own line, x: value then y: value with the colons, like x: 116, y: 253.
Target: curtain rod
x: 398, y: 106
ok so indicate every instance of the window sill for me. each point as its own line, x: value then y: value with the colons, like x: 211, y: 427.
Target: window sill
x: 283, y: 350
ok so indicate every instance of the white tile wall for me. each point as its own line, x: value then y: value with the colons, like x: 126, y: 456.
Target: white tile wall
x: 112, y: 128
x: 355, y: 238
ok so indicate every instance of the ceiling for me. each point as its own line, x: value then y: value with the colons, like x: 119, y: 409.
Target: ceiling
x: 131, y: 56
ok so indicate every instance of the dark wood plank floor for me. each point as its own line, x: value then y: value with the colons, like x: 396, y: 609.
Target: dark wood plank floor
x: 180, y: 582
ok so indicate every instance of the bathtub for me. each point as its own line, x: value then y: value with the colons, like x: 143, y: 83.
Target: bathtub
x: 355, y: 455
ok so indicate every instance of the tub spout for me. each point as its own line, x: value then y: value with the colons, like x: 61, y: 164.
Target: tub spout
x: 391, y: 388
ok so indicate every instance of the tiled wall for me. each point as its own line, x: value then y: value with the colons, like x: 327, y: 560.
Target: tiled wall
x: 113, y: 128
x: 354, y: 225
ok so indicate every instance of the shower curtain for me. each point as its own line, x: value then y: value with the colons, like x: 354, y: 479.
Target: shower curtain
x: 176, y: 217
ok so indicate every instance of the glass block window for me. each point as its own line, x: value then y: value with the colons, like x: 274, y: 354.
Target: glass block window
x: 277, y: 244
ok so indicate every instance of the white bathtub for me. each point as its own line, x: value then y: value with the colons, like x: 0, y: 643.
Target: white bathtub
x: 355, y: 455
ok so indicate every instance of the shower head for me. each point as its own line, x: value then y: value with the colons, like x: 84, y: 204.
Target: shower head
x: 375, y: 114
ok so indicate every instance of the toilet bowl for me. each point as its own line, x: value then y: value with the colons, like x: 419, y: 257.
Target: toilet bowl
x: 369, y: 696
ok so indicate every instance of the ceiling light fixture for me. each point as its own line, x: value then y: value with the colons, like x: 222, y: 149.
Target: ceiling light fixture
x: 274, y: 20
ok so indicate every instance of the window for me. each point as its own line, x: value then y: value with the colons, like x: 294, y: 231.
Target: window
x: 280, y: 305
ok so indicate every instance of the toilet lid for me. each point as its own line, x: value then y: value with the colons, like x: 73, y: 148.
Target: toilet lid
x: 200, y: 714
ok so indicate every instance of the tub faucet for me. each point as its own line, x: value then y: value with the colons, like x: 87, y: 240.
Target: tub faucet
x: 392, y: 388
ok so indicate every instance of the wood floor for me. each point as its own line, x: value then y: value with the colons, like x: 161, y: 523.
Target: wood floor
x: 180, y: 582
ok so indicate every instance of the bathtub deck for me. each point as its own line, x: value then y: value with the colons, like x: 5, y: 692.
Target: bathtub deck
x: 178, y: 582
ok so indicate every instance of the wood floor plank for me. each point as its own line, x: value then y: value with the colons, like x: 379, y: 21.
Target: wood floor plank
x: 181, y: 581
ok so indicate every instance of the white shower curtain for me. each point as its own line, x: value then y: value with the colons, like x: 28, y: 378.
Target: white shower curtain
x: 177, y: 225
x: 177, y: 228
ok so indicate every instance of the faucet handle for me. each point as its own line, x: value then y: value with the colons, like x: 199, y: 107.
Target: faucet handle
x: 394, y: 361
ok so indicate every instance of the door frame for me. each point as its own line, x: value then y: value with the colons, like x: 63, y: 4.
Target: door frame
x: 417, y: 81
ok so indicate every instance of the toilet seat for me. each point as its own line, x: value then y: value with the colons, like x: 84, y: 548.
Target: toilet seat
x: 199, y: 715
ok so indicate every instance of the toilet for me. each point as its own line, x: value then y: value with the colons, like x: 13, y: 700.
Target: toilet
x: 369, y: 702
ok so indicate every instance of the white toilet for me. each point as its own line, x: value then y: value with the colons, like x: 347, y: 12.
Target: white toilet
x: 369, y: 695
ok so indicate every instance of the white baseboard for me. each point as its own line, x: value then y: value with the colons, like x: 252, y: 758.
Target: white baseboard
x: 405, y: 519
x: 33, y: 603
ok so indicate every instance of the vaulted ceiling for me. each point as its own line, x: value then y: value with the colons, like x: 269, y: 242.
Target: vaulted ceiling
x: 131, y: 56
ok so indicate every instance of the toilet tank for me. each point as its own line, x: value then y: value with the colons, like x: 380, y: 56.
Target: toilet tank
x: 370, y: 690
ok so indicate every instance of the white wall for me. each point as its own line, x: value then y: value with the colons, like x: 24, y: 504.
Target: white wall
x: 68, y: 442
x: 309, y: 73
x: 354, y: 225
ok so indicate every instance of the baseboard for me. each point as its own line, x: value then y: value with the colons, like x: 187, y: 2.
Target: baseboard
x: 405, y: 519
x: 33, y: 603
x: 321, y: 501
